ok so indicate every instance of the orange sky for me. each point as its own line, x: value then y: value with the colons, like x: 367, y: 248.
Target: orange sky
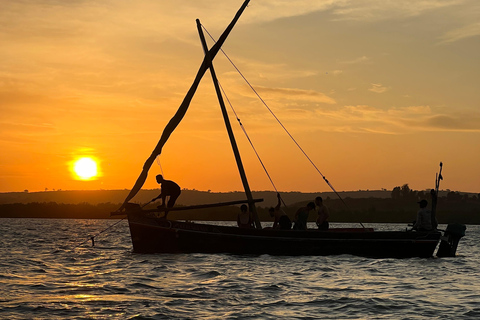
x: 377, y: 93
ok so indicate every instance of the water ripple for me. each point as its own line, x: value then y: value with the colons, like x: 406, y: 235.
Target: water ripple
x: 42, y: 277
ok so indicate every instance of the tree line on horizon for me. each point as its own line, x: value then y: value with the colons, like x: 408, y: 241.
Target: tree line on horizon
x: 401, y: 207
x: 405, y: 193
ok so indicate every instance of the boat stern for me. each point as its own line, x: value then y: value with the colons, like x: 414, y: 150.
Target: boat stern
x: 450, y: 239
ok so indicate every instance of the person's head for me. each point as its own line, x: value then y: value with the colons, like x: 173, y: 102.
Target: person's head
x: 423, y: 203
x: 311, y: 205
x: 243, y: 208
x: 271, y: 211
x: 318, y: 201
x: 159, y: 178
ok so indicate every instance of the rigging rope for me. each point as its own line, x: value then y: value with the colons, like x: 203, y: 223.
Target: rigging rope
x: 159, y: 164
x: 93, y: 237
x: 281, y: 124
x: 249, y: 140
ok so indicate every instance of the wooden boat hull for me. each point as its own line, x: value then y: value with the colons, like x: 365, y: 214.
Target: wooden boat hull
x: 156, y: 235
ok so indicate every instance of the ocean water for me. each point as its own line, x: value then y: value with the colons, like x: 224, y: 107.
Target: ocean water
x: 49, y: 270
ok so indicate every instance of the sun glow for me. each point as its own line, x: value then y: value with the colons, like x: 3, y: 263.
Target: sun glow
x: 85, y: 168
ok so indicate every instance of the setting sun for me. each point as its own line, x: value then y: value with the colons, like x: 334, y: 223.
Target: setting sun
x: 85, y: 168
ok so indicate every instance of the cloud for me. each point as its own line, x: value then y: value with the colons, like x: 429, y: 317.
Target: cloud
x: 22, y: 127
x: 464, y: 122
x: 268, y: 71
x: 295, y: 94
x: 18, y: 133
x: 362, y: 59
x: 365, y: 118
x: 410, y: 111
x: 358, y: 10
x: 468, y: 31
x: 375, y: 10
x: 378, y: 88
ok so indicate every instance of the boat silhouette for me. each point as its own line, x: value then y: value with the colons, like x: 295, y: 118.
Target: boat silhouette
x: 152, y: 233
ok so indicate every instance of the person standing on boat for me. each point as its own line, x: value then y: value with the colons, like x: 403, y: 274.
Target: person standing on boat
x: 245, y: 218
x: 170, y: 189
x: 424, y: 218
x: 301, y: 216
x: 281, y: 220
x: 323, y: 214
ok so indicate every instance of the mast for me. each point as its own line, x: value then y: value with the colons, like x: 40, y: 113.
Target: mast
x: 175, y: 120
x: 434, y: 194
x: 233, y: 142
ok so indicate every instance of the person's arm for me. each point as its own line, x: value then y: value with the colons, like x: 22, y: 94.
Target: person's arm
x: 297, y: 213
x: 157, y: 197
x: 418, y: 222
x: 163, y: 196
x: 275, y: 221
x: 320, y: 218
x: 277, y: 207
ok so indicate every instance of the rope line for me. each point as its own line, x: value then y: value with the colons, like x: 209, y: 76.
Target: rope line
x: 248, y: 137
x: 159, y: 164
x: 251, y: 143
x: 281, y: 124
x: 93, y: 237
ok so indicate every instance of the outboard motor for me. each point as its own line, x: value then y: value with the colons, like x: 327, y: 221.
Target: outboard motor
x: 449, y: 240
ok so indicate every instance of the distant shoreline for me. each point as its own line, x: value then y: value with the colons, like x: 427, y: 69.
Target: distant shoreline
x: 363, y: 206
x: 188, y: 197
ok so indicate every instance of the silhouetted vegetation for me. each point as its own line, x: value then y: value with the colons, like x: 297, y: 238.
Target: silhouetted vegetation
x: 57, y: 210
x: 400, y: 207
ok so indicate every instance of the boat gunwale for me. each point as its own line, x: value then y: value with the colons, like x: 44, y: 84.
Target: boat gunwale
x: 309, y: 234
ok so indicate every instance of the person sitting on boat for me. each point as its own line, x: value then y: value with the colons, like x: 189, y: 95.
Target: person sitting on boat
x: 301, y: 216
x: 281, y: 220
x: 170, y: 189
x: 424, y: 218
x: 323, y: 214
x: 245, y: 218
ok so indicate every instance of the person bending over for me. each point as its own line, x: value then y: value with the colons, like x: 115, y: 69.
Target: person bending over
x: 169, y: 189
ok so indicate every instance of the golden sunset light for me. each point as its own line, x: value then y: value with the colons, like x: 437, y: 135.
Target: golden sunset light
x: 172, y: 159
x: 376, y: 93
x: 85, y: 168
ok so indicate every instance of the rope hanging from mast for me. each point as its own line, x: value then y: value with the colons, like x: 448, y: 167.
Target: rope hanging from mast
x: 279, y: 122
x: 248, y: 138
x: 250, y: 141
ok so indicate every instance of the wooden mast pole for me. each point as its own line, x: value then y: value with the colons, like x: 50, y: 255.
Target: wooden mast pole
x: 233, y: 142
x: 178, y: 116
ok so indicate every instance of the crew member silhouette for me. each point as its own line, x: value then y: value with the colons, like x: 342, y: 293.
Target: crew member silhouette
x: 323, y: 214
x: 170, y: 189
x: 245, y: 218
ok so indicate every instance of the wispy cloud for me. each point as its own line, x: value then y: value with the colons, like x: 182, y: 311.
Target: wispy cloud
x: 362, y: 59
x: 33, y: 127
x: 364, y: 118
x: 269, y: 71
x: 295, y: 94
x: 463, y: 122
x: 378, y: 88
x: 468, y: 31
x: 375, y: 10
x: 410, y: 111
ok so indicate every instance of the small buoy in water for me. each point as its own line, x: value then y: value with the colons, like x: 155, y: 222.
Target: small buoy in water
x: 93, y: 241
